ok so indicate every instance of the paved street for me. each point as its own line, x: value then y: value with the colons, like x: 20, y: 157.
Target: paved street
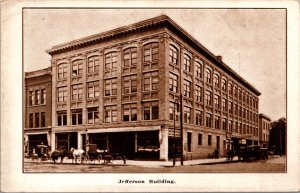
x: 277, y: 164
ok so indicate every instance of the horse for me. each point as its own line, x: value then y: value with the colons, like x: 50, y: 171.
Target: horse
x: 59, y: 153
x: 77, y: 153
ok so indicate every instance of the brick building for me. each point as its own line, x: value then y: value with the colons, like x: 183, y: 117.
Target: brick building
x: 38, y: 91
x: 117, y: 89
x: 264, y: 130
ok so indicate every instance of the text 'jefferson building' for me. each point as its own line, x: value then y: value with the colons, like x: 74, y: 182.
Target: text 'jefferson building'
x: 117, y: 89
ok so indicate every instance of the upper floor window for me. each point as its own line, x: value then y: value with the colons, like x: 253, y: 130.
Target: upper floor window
x: 173, y: 55
x: 208, y: 120
x: 208, y: 75
x: 130, y: 112
x: 130, y: 57
x: 198, y: 91
x: 199, y: 118
x: 198, y: 70
x: 151, y: 52
x: 77, y: 68
x: 187, y: 63
x: 31, y: 98
x: 224, y: 124
x: 111, y: 87
x: 217, y: 101
x: 110, y: 114
x: 208, y: 98
x: 77, y: 92
x: 171, y: 111
x: 187, y: 115
x: 187, y: 88
x: 77, y: 117
x: 93, y: 89
x: 216, y: 80
x: 224, y: 85
x: 43, y: 119
x: 224, y: 104
x: 37, y: 119
x: 62, y: 71
x: 230, y: 106
x: 93, y: 115
x: 217, y: 122
x: 230, y: 89
x: 151, y: 110
x: 30, y: 120
x: 61, y: 118
x: 129, y: 84
x: 235, y: 91
x: 150, y: 81
x: 43, y: 96
x: 173, y: 83
x: 93, y: 64
x: 37, y: 97
x: 110, y: 62
x: 62, y: 94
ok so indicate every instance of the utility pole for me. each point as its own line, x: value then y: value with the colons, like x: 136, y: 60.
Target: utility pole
x: 181, y: 129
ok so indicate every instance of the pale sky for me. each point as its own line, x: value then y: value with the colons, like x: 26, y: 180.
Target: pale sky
x: 251, y: 41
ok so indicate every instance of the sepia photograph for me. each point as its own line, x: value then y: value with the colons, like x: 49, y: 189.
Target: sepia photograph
x: 148, y: 96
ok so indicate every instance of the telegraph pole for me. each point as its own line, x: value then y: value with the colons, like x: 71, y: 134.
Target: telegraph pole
x: 181, y: 129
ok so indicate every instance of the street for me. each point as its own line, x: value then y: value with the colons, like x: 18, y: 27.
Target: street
x: 272, y: 165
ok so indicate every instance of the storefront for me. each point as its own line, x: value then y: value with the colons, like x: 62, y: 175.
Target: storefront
x: 66, y: 140
x: 33, y: 141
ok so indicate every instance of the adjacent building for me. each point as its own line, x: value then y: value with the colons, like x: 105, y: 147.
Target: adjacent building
x: 120, y: 89
x: 264, y: 130
x: 38, y: 109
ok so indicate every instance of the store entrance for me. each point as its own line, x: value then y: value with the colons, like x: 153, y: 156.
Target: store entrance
x: 122, y: 144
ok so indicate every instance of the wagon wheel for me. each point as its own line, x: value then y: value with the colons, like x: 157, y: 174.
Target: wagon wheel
x: 99, y: 158
x: 84, y: 159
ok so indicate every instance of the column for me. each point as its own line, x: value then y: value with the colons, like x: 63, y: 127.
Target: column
x: 84, y: 96
x: 101, y: 89
x: 79, y: 140
x: 54, y: 92
x: 163, y: 138
x: 69, y: 94
x: 53, y: 147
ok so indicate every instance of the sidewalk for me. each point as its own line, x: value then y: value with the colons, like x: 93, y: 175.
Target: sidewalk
x: 143, y: 163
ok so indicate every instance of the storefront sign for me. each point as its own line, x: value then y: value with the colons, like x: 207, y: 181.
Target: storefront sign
x: 243, y: 141
x: 171, y: 132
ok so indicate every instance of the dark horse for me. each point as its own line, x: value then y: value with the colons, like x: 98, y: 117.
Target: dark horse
x: 59, y: 153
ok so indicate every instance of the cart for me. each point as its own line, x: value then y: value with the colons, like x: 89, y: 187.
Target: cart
x: 92, y: 153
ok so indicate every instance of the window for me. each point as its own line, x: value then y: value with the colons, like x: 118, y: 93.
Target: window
x: 43, y: 97
x: 240, y: 111
x: 217, y: 101
x: 61, y: 94
x: 61, y: 118
x: 217, y: 122
x: 62, y: 71
x: 77, y: 117
x: 110, y: 114
x: 240, y: 94
x: 187, y: 89
x: 224, y: 124
x: 198, y: 117
x: 151, y: 110
x: 171, y: 111
x: 173, y: 83
x: 224, y: 85
x: 230, y: 89
x: 198, y: 91
x: 236, y: 127
x: 218, y: 142
x: 198, y: 70
x: 151, y: 52
x: 37, y: 97
x: 189, y: 141
x: 208, y: 97
x: 230, y: 124
x: 93, y: 89
x: 31, y: 98
x: 208, y: 75
x: 187, y: 63
x: 77, y: 68
x: 186, y: 115
x: 129, y: 84
x: 209, y: 140
x: 93, y: 115
x: 93, y: 64
x: 110, y: 66
x: 30, y: 120
x: 208, y: 120
x: 150, y: 81
x: 37, y: 119
x: 235, y: 90
x: 130, y: 57
x: 230, y: 105
x: 236, y: 109
x: 129, y: 112
x: 200, y: 139
x: 224, y: 104
x: 43, y: 119
x: 111, y: 87
x: 77, y: 92
x: 244, y: 113
x: 216, y: 80
x: 173, y: 55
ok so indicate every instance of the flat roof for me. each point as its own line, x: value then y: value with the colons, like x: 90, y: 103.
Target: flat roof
x: 38, y: 73
x: 264, y: 116
x: 163, y: 21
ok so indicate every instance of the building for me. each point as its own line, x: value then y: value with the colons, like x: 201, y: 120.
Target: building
x: 118, y: 90
x: 264, y: 130
x: 38, y: 91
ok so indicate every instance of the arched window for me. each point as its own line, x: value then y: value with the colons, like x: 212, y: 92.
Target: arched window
x: 77, y: 68
x: 62, y: 71
x: 110, y: 62
x: 208, y: 75
x: 224, y: 85
x: 130, y: 57
x: 93, y: 64
x: 173, y: 55
x: 187, y: 63
x: 198, y: 69
x: 151, y: 52
x: 216, y: 80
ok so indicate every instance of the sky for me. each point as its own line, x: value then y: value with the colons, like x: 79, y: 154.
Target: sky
x: 251, y: 41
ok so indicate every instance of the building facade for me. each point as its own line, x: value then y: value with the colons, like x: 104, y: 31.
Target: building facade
x: 264, y: 130
x: 118, y: 89
x: 38, y: 109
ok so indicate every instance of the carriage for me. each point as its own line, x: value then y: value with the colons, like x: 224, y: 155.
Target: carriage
x: 41, y: 151
x: 247, y: 153
x: 94, y: 154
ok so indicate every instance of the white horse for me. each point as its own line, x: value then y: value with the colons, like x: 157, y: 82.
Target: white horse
x: 77, y: 154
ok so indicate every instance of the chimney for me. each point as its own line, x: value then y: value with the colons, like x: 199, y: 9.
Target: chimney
x: 219, y: 58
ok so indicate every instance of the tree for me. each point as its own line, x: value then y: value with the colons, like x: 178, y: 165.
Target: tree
x: 277, y: 141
